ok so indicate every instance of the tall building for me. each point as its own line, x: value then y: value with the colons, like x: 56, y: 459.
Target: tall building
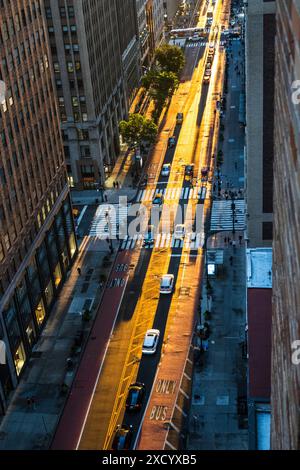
x: 171, y: 7
x: 37, y: 238
x: 260, y: 65
x: 285, y: 396
x: 129, y: 45
x: 155, y: 24
x: 95, y: 53
x: 141, y: 6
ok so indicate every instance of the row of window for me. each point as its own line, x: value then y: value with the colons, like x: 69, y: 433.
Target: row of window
x: 27, y: 311
x: 63, y: 12
x: 20, y: 20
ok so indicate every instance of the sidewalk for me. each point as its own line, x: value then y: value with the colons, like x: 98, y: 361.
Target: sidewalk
x: 219, y: 378
x: 93, y: 197
x: 214, y: 421
x: 27, y: 427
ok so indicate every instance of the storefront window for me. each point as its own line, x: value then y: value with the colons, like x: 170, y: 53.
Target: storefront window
x: 14, y: 333
x: 73, y: 246
x: 57, y: 275
x: 19, y: 358
x: 54, y: 258
x: 25, y: 312
x: 34, y: 286
x: 30, y: 332
x: 49, y: 292
x: 40, y: 313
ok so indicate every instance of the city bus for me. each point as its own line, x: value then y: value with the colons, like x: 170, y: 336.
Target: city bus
x: 184, y: 33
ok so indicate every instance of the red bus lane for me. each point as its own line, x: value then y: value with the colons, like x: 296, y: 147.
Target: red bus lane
x: 76, y: 409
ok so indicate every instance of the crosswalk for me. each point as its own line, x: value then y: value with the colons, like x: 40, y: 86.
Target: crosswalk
x: 222, y: 215
x: 169, y: 194
x: 164, y: 240
x: 201, y: 44
x: 103, y: 226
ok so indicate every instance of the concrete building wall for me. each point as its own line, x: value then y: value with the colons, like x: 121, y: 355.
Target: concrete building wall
x: 260, y: 37
x: 285, y: 397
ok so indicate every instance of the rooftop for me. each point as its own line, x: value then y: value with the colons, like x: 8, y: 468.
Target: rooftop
x: 259, y: 268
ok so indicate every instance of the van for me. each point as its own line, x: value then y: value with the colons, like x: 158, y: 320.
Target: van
x: 166, y: 284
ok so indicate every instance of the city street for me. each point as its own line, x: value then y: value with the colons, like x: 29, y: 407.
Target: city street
x: 140, y: 306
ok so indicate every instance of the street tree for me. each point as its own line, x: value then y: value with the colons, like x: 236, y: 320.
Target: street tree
x: 138, y: 129
x: 161, y: 86
x: 170, y: 58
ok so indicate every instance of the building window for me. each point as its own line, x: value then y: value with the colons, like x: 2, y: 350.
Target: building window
x: 40, y: 313
x: 19, y: 358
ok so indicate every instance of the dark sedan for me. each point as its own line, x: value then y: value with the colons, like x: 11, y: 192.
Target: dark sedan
x: 135, y: 397
x: 123, y: 438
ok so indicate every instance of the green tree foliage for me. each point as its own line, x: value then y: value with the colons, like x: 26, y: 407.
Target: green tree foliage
x: 170, y: 58
x: 138, y: 129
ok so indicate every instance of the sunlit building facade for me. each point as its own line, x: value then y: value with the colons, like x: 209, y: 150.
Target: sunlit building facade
x: 37, y: 237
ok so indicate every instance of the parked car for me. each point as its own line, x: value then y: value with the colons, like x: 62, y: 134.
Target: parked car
x: 172, y: 141
x: 123, y: 438
x: 158, y: 199
x: 179, y: 232
x: 135, y: 396
x: 150, y: 341
x: 166, y: 168
x: 167, y: 284
x: 179, y: 118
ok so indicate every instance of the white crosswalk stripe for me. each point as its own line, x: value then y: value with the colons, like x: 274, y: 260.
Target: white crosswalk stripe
x: 164, y: 240
x: 117, y: 215
x: 221, y: 217
x: 169, y: 194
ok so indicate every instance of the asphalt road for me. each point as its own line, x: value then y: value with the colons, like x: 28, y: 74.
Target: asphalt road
x: 120, y: 365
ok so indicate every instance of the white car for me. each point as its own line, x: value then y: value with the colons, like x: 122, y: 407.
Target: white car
x: 166, y: 284
x: 179, y: 231
x: 150, y: 341
x: 196, y: 37
x: 165, y: 171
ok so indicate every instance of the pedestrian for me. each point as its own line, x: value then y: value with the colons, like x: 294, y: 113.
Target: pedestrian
x: 79, y: 271
x: 114, y: 184
x: 117, y: 185
x: 105, y: 198
x: 225, y: 240
x: 28, y: 400
x: 240, y: 239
